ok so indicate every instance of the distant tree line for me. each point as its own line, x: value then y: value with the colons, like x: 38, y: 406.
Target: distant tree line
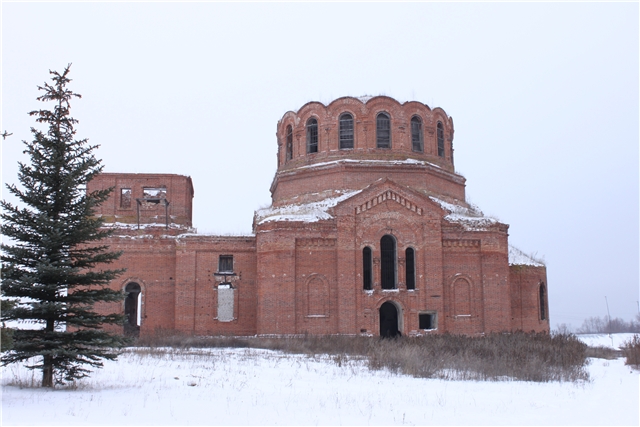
x: 607, y: 325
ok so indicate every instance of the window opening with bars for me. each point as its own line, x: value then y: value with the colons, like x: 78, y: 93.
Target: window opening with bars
x: 225, y: 264
x: 440, y: 135
x: 312, y: 136
x: 346, y: 131
x: 289, y: 143
x: 383, y: 131
x: 416, y: 134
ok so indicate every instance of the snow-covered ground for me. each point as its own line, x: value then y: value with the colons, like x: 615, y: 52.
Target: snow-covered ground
x: 256, y: 387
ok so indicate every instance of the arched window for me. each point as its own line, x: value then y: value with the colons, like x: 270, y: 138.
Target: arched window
x: 410, y: 265
x: 388, y: 262
x: 312, y: 136
x: 367, y: 269
x: 440, y: 140
x: 416, y: 134
x: 289, y: 142
x: 383, y: 131
x: 346, y: 131
x: 543, y: 303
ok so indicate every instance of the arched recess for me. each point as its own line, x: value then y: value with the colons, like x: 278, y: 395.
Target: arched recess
x: 388, y: 262
x: 462, y: 297
x: 390, y: 318
x: 132, y: 308
x: 317, y: 296
x: 542, y: 301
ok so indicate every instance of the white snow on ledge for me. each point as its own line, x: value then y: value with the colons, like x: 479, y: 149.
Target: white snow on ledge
x: 471, y: 219
x: 134, y: 226
x: 517, y: 257
x: 307, y: 212
x: 375, y: 162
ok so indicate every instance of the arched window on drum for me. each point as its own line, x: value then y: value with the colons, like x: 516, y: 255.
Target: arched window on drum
x: 312, y: 136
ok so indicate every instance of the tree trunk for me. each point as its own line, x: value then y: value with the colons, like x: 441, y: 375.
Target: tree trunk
x: 47, y: 372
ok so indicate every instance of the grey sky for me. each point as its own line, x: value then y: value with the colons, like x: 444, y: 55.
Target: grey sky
x: 544, y: 99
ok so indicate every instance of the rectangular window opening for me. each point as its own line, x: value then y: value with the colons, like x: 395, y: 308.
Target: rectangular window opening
x: 225, y: 264
x: 125, y: 198
x: 154, y: 192
x: 427, y: 321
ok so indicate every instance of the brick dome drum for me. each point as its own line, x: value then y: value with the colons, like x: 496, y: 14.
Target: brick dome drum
x: 368, y: 233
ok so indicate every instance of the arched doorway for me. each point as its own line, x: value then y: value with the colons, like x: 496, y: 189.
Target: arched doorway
x: 132, y: 310
x: 389, y: 320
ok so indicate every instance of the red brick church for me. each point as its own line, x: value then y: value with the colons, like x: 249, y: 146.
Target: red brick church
x: 368, y: 233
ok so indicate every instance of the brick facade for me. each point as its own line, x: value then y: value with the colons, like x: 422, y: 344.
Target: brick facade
x: 368, y: 232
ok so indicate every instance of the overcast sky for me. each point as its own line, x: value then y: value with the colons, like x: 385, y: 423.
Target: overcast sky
x: 544, y: 99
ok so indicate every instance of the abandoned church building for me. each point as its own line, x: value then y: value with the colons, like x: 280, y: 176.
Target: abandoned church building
x: 369, y: 232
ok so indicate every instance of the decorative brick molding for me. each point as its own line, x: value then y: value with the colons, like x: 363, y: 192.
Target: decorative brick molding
x: 461, y: 243
x: 388, y: 195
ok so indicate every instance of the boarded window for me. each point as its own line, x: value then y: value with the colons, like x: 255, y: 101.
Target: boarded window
x: 416, y: 134
x: 462, y: 297
x: 346, y: 131
x: 225, y: 264
x: 383, y: 131
x: 427, y: 321
x: 367, y: 268
x: 312, y: 136
x: 289, y: 142
x: 125, y: 198
x: 225, y: 302
x: 410, y: 268
x: 388, y: 262
x: 154, y: 192
x: 440, y: 139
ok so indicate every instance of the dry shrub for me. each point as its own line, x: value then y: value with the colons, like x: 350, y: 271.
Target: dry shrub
x: 510, y: 356
x: 631, y: 351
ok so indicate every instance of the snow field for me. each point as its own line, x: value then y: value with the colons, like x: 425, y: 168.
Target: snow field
x: 257, y: 387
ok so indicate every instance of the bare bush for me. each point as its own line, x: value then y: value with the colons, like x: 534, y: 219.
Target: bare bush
x: 631, y: 351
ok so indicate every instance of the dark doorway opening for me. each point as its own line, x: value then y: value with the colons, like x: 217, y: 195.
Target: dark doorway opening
x: 389, y: 320
x: 131, y: 323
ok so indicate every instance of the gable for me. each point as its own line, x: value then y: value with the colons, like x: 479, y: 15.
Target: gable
x: 387, y: 191
x: 389, y: 195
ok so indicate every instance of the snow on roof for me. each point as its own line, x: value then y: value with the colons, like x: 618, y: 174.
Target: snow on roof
x: 364, y: 98
x: 471, y: 218
x: 307, y: 212
x: 517, y: 257
x: 134, y: 226
x: 379, y: 162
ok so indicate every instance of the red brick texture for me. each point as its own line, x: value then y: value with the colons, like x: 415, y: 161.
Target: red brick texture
x: 299, y: 275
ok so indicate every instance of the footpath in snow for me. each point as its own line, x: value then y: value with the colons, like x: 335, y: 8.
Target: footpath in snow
x: 258, y: 387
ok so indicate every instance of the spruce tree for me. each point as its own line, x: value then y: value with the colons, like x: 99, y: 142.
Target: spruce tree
x: 52, y: 266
